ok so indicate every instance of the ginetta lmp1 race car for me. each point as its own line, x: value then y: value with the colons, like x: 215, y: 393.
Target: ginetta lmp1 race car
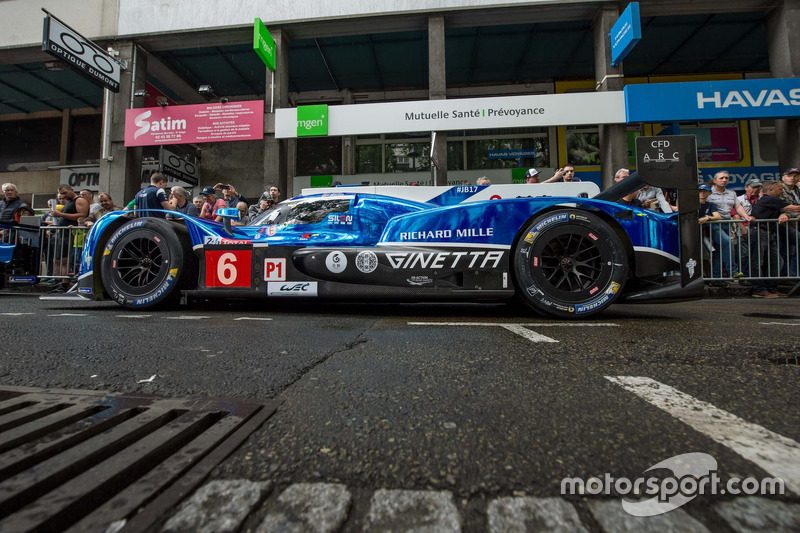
x: 562, y: 249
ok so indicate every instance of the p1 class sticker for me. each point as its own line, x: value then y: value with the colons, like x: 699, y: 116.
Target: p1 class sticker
x: 366, y: 262
x: 336, y: 262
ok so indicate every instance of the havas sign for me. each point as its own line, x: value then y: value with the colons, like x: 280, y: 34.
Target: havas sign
x: 713, y: 100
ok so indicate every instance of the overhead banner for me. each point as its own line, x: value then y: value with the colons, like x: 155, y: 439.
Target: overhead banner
x: 80, y: 53
x: 626, y: 33
x: 713, y: 100
x: 198, y: 123
x: 461, y: 114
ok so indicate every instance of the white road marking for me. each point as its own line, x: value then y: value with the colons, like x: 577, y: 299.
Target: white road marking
x: 527, y: 333
x: 187, y: 317
x: 15, y: 314
x: 252, y: 318
x: 148, y: 380
x: 776, y: 454
x: 521, y: 329
x: 70, y: 314
x: 133, y: 316
x: 780, y: 323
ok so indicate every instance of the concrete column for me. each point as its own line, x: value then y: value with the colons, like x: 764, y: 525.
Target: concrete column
x: 437, y: 90
x: 275, y: 150
x: 348, y: 144
x: 66, y: 129
x: 613, y: 140
x: 120, y: 175
x: 783, y: 28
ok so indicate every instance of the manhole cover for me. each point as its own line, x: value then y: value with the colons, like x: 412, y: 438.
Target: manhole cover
x: 81, y: 460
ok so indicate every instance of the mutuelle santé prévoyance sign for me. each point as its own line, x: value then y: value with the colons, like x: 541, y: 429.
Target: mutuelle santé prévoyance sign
x: 462, y: 114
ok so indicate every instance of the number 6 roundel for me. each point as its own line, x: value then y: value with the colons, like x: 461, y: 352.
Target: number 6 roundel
x: 228, y: 268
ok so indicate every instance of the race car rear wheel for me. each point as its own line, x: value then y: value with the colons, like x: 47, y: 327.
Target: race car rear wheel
x: 569, y: 263
x: 144, y: 262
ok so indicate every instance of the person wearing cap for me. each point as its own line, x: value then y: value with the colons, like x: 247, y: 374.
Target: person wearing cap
x: 264, y: 203
x: 212, y: 203
x: 752, y: 190
x: 532, y: 176
x: 791, y: 194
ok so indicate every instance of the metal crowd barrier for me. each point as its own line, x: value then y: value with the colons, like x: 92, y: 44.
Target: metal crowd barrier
x: 43, y: 253
x: 763, y: 249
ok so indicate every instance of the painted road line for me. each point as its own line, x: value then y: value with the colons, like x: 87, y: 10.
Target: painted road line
x: 133, y: 316
x: 526, y: 333
x: 252, y: 318
x: 780, y: 323
x: 519, y: 329
x: 516, y: 514
x: 412, y: 510
x: 187, y: 317
x: 776, y: 454
x: 14, y: 314
x: 318, y: 507
x: 70, y: 314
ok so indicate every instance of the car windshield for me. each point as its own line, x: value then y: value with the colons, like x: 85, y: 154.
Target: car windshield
x: 303, y: 211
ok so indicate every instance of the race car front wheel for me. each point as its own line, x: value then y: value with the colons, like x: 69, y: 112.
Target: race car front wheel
x: 569, y: 264
x: 144, y: 263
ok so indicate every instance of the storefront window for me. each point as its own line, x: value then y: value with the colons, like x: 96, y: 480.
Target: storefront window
x: 322, y: 156
x: 455, y: 155
x: 715, y: 142
x: 408, y: 157
x: 508, y: 153
x: 29, y: 144
x: 369, y: 159
x: 583, y: 146
x: 767, y: 142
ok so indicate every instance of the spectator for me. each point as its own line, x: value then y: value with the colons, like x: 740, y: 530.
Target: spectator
x: 75, y: 207
x: 752, y: 190
x: 654, y: 198
x: 565, y: 174
x: 244, y: 219
x: 275, y: 193
x: 179, y: 201
x: 212, y: 203
x: 791, y: 194
x: 229, y: 194
x: 11, y: 206
x: 483, y: 181
x: 630, y: 200
x: 707, y: 212
x: 532, y: 176
x: 153, y: 197
x: 198, y: 202
x: 264, y: 203
x: 105, y: 205
x: 621, y: 174
x: 727, y: 203
x: 771, y: 244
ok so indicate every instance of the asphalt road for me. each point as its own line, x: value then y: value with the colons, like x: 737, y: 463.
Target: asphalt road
x: 484, y: 401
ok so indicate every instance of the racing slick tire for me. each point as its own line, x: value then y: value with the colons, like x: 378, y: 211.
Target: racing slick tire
x: 569, y: 264
x: 145, y: 263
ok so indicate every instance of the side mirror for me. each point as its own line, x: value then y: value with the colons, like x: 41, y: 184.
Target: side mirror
x: 228, y: 214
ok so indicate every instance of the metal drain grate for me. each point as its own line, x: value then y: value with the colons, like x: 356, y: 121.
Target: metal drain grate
x: 81, y: 460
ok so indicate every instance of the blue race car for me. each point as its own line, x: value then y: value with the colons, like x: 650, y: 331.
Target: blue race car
x: 563, y: 249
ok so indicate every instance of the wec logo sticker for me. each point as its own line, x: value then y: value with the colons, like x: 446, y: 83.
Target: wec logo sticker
x: 292, y: 288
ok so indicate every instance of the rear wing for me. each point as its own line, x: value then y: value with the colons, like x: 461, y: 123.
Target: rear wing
x: 460, y: 194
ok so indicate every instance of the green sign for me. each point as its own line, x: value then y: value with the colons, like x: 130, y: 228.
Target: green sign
x: 321, y: 181
x: 263, y: 44
x: 312, y: 120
